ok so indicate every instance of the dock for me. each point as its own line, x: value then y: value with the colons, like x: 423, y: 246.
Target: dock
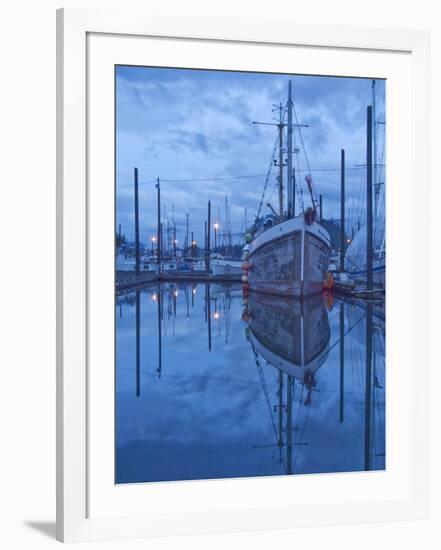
x: 130, y: 280
x: 357, y: 290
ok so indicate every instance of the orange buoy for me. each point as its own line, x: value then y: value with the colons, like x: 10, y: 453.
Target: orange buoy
x: 329, y: 300
x: 246, y: 316
x: 328, y: 283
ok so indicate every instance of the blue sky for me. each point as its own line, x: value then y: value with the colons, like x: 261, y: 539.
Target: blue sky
x: 184, y: 124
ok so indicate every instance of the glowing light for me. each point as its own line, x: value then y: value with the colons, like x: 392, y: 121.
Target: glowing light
x: 153, y: 239
x: 216, y: 225
x: 193, y: 243
x: 154, y: 297
x: 194, y: 291
x: 216, y: 315
x: 175, y: 293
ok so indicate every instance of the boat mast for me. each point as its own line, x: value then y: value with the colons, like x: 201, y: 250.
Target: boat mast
x: 158, y: 226
x: 369, y: 224
x: 374, y: 166
x: 289, y: 178
x: 281, y: 164
x: 280, y: 126
x: 135, y: 170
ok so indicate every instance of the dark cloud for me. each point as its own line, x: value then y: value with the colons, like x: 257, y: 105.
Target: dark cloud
x: 193, y: 124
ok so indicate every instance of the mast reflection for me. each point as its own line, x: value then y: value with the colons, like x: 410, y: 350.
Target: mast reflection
x: 293, y: 336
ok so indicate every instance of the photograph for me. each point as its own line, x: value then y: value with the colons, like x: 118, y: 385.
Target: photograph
x: 250, y: 269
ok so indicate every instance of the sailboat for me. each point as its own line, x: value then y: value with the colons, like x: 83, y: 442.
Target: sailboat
x: 356, y: 259
x: 288, y: 255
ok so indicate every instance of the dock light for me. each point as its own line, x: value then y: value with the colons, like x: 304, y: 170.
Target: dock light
x: 175, y: 293
x: 194, y: 291
x: 193, y: 243
x: 216, y: 225
x: 154, y: 296
x: 216, y: 315
x: 153, y: 239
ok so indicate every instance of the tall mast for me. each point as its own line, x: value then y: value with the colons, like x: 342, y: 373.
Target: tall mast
x: 374, y: 155
x: 281, y: 164
x: 186, y: 238
x: 369, y: 235
x: 342, y: 212
x: 135, y: 173
x: 289, y: 178
x: 158, y: 227
x: 280, y: 160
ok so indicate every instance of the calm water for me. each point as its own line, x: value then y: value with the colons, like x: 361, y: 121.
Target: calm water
x: 209, y: 388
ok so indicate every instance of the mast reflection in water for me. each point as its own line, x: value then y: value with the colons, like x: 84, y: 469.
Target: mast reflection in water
x: 207, y: 388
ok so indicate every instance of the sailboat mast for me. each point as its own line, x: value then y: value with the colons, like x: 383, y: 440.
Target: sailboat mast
x: 280, y: 160
x: 374, y: 165
x: 289, y: 178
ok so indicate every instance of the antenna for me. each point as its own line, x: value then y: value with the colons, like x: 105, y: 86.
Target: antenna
x: 281, y: 164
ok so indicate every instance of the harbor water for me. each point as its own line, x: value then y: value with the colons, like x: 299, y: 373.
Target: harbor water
x: 210, y: 387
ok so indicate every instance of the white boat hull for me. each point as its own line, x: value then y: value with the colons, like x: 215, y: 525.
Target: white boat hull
x: 289, y: 259
x: 226, y: 267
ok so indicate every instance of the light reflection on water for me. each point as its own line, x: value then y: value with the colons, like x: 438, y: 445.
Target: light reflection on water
x: 207, y: 388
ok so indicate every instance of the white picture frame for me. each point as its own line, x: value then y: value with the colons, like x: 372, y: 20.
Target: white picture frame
x: 75, y: 217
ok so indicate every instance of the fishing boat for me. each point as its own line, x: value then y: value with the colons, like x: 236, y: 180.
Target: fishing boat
x: 288, y: 254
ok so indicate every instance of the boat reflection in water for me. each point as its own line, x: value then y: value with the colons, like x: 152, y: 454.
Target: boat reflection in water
x: 209, y: 385
x: 290, y: 334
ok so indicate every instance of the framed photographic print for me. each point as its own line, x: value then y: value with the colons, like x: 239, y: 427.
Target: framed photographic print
x: 233, y: 352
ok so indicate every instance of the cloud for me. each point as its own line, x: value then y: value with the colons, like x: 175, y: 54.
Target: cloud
x: 192, y: 124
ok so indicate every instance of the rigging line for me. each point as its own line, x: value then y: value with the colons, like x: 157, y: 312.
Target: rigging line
x: 302, y: 433
x: 268, y: 174
x: 352, y: 168
x: 308, y: 171
x: 264, y: 386
x: 226, y: 178
x: 140, y: 183
x: 301, y: 138
x: 347, y: 332
x: 214, y: 179
x: 296, y: 170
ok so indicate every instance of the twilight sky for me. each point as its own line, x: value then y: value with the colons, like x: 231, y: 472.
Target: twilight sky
x: 184, y: 124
